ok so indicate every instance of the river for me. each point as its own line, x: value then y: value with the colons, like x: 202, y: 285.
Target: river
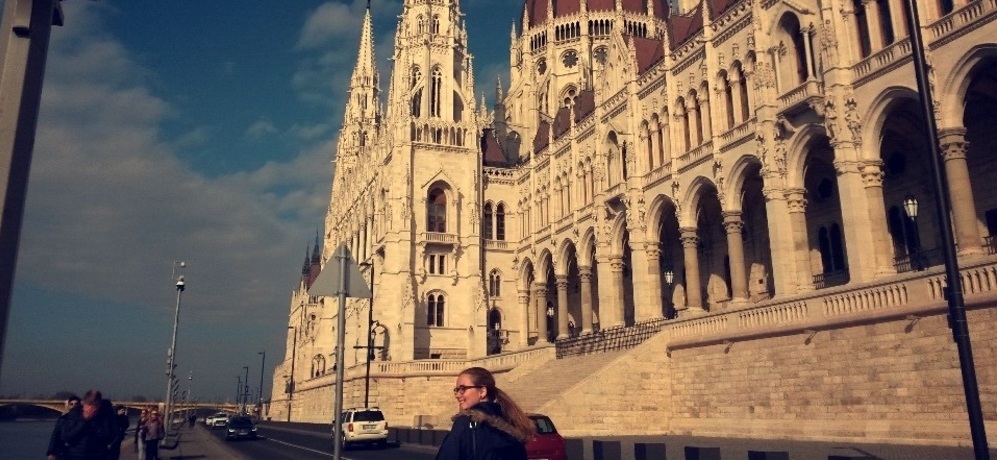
x: 25, y: 440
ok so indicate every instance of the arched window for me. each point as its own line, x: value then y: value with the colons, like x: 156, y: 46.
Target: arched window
x: 436, y: 24
x: 434, y: 92
x: 494, y: 284
x: 862, y: 28
x: 486, y: 231
x: 436, y: 211
x: 422, y: 24
x: 500, y: 222
x: 417, y: 103
x: 436, y: 304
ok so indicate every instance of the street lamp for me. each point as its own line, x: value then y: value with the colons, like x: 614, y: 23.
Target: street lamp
x: 669, y: 276
x: 290, y: 385
x: 956, y: 303
x: 370, y: 335
x: 245, y: 394
x: 910, y: 206
x: 259, y: 410
x: 172, y: 352
x: 550, y: 321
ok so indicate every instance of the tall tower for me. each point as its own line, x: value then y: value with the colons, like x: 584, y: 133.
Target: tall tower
x: 431, y: 279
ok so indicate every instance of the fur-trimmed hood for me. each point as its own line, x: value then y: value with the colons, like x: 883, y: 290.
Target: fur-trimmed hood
x: 480, y: 414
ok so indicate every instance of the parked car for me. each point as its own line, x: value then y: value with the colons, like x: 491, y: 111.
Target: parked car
x: 364, y: 425
x: 240, y: 427
x: 548, y: 444
x: 218, y: 420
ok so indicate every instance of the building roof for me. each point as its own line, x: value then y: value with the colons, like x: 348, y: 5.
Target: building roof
x: 681, y: 27
x: 491, y: 151
x: 649, y: 52
x: 536, y: 10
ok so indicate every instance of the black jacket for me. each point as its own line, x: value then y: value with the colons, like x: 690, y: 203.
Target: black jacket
x: 55, y: 446
x: 88, y: 439
x: 480, y: 433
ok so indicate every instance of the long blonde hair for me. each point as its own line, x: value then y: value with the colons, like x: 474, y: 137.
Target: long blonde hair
x: 511, y: 411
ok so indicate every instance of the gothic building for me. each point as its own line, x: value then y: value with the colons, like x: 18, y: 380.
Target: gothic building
x: 718, y: 169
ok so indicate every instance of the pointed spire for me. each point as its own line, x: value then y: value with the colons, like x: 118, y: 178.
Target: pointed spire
x: 365, y: 89
x: 316, y: 252
x: 498, y: 89
x: 304, y: 266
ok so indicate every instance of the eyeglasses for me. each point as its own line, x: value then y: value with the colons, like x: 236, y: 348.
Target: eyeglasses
x: 460, y: 389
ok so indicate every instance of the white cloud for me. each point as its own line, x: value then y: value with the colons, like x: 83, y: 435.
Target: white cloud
x: 260, y: 129
x: 329, y: 22
x: 110, y: 205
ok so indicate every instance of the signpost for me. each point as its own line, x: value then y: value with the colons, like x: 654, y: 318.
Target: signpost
x: 340, y: 277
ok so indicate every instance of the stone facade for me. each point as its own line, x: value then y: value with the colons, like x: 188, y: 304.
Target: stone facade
x: 702, y: 164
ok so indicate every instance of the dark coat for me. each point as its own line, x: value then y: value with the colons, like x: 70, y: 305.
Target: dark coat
x: 55, y: 446
x: 88, y: 439
x: 480, y: 433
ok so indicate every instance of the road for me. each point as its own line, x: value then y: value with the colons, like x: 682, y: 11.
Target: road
x: 290, y: 444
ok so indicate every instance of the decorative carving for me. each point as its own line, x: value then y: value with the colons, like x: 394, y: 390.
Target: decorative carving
x: 852, y: 119
x: 480, y: 297
x: 828, y: 43
x: 872, y: 174
x: 764, y: 76
x: 831, y: 120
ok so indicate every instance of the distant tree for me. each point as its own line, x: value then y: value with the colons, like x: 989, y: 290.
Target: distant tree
x: 139, y: 398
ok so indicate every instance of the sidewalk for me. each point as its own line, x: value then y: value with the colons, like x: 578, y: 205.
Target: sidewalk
x: 195, y: 442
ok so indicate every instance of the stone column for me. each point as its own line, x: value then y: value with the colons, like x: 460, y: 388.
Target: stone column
x: 738, y: 105
x: 780, y: 242
x: 797, y: 206
x: 897, y: 14
x: 693, y: 290
x: 652, y: 146
x: 664, y: 140
x: 652, y: 287
x: 524, y: 317
x: 585, y: 274
x: 608, y: 303
x: 872, y: 25
x: 882, y: 246
x: 707, y: 116
x: 613, y: 313
x: 562, y: 306
x: 808, y: 52
x: 967, y: 235
x: 540, y: 294
x: 695, y: 126
x: 735, y: 249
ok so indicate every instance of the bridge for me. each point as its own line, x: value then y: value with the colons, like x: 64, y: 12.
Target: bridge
x: 58, y: 405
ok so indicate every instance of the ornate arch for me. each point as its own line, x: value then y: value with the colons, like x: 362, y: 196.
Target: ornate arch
x: 561, y: 266
x: 692, y: 199
x: 797, y: 150
x: 953, y: 93
x: 735, y: 186
x: 655, y: 214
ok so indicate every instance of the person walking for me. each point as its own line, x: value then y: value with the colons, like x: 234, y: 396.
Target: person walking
x: 89, y: 428
x: 121, y: 425
x: 55, y: 445
x: 489, y: 424
x: 140, y: 432
x: 153, y: 433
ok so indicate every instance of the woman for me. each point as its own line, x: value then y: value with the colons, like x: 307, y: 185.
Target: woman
x: 139, y: 434
x: 489, y: 426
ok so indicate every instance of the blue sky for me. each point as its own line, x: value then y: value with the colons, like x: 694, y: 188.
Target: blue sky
x: 200, y: 131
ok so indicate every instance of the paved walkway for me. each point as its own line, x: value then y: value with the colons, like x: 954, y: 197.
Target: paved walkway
x: 195, y: 443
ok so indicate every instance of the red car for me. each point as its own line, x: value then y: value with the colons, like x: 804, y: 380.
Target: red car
x: 548, y: 445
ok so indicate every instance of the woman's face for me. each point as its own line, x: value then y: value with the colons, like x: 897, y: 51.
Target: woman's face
x: 468, y: 393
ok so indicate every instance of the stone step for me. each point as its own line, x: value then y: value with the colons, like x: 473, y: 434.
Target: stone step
x: 533, y: 390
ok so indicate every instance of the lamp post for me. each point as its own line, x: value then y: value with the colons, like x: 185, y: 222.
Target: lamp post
x: 259, y: 404
x: 914, y: 238
x: 238, y: 390
x: 245, y: 394
x: 956, y: 303
x: 370, y: 336
x: 290, y: 385
x: 189, y: 398
x: 172, y: 352
x: 669, y: 277
x: 550, y: 319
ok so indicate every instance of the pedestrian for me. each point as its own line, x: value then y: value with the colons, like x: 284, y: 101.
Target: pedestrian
x: 489, y: 425
x: 121, y: 425
x: 191, y: 419
x: 89, y: 428
x: 139, y: 434
x: 153, y: 433
x: 55, y: 445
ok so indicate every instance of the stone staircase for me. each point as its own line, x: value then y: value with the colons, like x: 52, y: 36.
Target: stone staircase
x: 536, y: 388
